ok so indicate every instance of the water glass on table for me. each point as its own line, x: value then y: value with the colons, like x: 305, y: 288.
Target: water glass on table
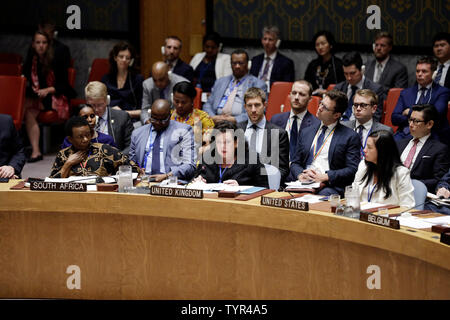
x: 125, y: 178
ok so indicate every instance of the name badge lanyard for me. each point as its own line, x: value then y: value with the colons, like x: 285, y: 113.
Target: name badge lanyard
x: 365, y: 143
x: 225, y: 99
x: 316, y: 154
x: 221, y: 173
x: 370, y: 193
x: 149, y: 148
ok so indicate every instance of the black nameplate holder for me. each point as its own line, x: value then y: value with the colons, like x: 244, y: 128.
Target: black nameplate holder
x: 284, y: 203
x: 176, y: 192
x: 379, y: 221
x: 58, y: 186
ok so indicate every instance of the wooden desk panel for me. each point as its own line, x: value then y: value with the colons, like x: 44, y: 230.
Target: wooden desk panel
x: 144, y: 247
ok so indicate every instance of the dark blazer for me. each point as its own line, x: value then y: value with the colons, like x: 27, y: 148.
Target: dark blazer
x: 447, y: 80
x: 120, y: 128
x: 444, y: 182
x: 130, y: 96
x: 335, y: 72
x: 283, y: 68
x: 11, y: 147
x: 367, y: 84
x: 394, y: 74
x: 282, y: 143
x: 376, y: 126
x: 343, y: 155
x: 439, y: 98
x: 184, y: 70
x: 431, y: 163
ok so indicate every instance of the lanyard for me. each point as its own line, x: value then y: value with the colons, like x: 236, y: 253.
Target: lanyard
x: 323, y: 144
x: 370, y: 193
x: 221, y: 173
x: 365, y: 143
x: 85, y: 162
x: 230, y: 88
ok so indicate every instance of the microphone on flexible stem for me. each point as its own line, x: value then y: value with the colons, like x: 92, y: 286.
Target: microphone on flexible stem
x: 428, y: 201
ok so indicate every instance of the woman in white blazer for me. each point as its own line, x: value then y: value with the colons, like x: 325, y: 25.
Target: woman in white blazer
x: 210, y: 65
x: 381, y: 177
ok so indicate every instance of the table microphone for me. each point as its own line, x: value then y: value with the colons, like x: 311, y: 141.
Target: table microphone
x: 418, y: 205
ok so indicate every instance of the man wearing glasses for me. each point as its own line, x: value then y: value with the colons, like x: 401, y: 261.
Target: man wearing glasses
x: 328, y: 152
x: 365, y: 105
x: 426, y: 158
x: 164, y: 147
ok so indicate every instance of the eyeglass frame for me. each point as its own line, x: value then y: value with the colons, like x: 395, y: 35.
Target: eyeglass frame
x: 363, y: 106
x: 415, y: 121
x: 163, y: 121
x: 322, y: 105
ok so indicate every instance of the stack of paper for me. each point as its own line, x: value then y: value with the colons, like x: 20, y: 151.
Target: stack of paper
x: 299, y: 185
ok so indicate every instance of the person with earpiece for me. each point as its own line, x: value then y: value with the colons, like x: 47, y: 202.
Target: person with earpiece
x: 271, y: 65
x: 124, y: 84
x: 171, y: 52
x: 425, y: 91
x: 355, y: 80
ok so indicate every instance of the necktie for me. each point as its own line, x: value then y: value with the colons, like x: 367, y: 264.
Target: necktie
x: 229, y: 105
x: 348, y: 112
x: 360, y: 133
x: 161, y: 94
x: 253, y: 137
x: 439, y: 74
x: 266, y: 69
x: 379, y: 71
x: 156, y: 165
x: 412, y: 152
x: 318, y: 145
x: 293, y: 137
x: 422, y: 99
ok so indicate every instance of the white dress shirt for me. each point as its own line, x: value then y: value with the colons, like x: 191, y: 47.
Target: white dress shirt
x: 383, y: 65
x: 321, y: 162
x: 259, y: 133
x: 418, y: 148
x: 444, y: 72
x: 366, y: 129
x: 300, y: 117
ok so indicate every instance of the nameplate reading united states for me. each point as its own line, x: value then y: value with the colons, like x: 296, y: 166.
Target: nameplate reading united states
x: 176, y: 192
x: 284, y: 203
x: 378, y: 220
x: 58, y: 186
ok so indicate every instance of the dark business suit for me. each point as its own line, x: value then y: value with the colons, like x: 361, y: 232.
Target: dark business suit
x: 367, y: 84
x: 447, y: 79
x: 439, y: 98
x: 184, y: 70
x: 283, y: 68
x: 394, y: 74
x: 343, y: 157
x: 266, y: 150
x: 11, y: 147
x: 120, y: 128
x: 431, y: 163
x: 376, y: 126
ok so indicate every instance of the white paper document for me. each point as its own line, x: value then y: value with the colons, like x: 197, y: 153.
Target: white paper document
x: 439, y: 220
x: 215, y: 187
x: 370, y: 205
x: 414, y: 222
x: 299, y: 185
x: 310, y: 198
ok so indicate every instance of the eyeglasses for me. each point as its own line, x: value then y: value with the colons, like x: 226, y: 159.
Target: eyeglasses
x: 321, y: 105
x: 415, y: 121
x: 163, y: 121
x: 361, y: 105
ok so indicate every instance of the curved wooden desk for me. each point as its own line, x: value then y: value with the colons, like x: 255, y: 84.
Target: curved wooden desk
x: 146, y: 247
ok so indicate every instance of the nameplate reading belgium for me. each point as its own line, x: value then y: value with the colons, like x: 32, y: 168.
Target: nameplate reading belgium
x: 381, y: 221
x: 58, y: 186
x: 176, y: 192
x: 284, y: 203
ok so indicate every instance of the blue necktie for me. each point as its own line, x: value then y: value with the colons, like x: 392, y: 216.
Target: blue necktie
x: 293, y: 138
x: 439, y: 74
x: 348, y: 112
x: 318, y: 145
x: 156, y: 165
x: 360, y: 133
x: 422, y: 99
x: 161, y: 94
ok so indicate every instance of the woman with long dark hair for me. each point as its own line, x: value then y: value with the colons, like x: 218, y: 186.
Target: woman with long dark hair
x: 326, y: 69
x: 124, y: 84
x: 381, y: 176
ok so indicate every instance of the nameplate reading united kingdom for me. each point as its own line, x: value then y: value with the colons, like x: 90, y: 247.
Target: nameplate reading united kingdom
x: 58, y: 186
x: 284, y: 203
x: 378, y: 220
x: 176, y: 192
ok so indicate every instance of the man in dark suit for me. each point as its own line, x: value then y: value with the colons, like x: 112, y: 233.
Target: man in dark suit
x: 12, y: 155
x: 328, y: 152
x: 425, y: 91
x: 441, y: 50
x: 426, y: 158
x: 365, y: 104
x: 355, y: 79
x: 442, y: 190
x: 298, y: 118
x: 384, y: 69
x: 271, y: 65
x: 259, y: 133
x: 116, y: 123
x: 171, y: 51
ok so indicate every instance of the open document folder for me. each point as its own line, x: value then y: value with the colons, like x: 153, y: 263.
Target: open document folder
x: 88, y: 179
x: 214, y: 187
x: 301, y: 185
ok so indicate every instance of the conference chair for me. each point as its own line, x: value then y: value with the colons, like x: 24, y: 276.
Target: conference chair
x: 12, y: 98
x: 420, y: 193
x: 390, y: 103
x: 277, y: 96
x: 331, y: 86
x: 10, y: 57
x: 71, y: 73
x: 313, y: 104
x: 10, y: 69
x: 274, y: 176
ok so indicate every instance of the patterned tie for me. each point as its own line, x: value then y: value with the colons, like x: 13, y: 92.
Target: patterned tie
x: 156, y: 165
x: 412, y: 152
x: 293, y: 137
x: 266, y: 69
x: 229, y: 105
x: 360, y: 133
x: 439, y: 74
x: 318, y: 145
x: 422, y: 99
x: 253, y: 137
x: 379, y: 71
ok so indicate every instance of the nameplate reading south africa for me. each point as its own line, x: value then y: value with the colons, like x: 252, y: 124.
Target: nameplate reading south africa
x: 176, y: 192
x: 58, y: 186
x: 284, y: 203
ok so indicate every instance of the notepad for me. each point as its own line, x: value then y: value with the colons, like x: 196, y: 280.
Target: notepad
x: 252, y: 190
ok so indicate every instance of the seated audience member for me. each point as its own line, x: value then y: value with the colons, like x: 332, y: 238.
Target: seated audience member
x: 365, y: 104
x: 298, y: 118
x: 164, y: 147
x: 442, y: 191
x: 381, y: 177
x: 328, y: 152
x: 355, y: 80
x: 426, y: 158
x: 158, y: 86
x: 171, y: 53
x: 222, y: 162
x: 84, y: 158
x: 116, y: 123
x: 88, y: 113
x: 425, y: 91
x: 441, y: 50
x: 259, y: 133
x: 210, y: 64
x: 226, y: 101
x: 46, y: 81
x: 12, y: 156
x: 123, y: 83
x: 271, y: 65
x: 326, y: 69
x: 183, y: 100
x: 384, y: 69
